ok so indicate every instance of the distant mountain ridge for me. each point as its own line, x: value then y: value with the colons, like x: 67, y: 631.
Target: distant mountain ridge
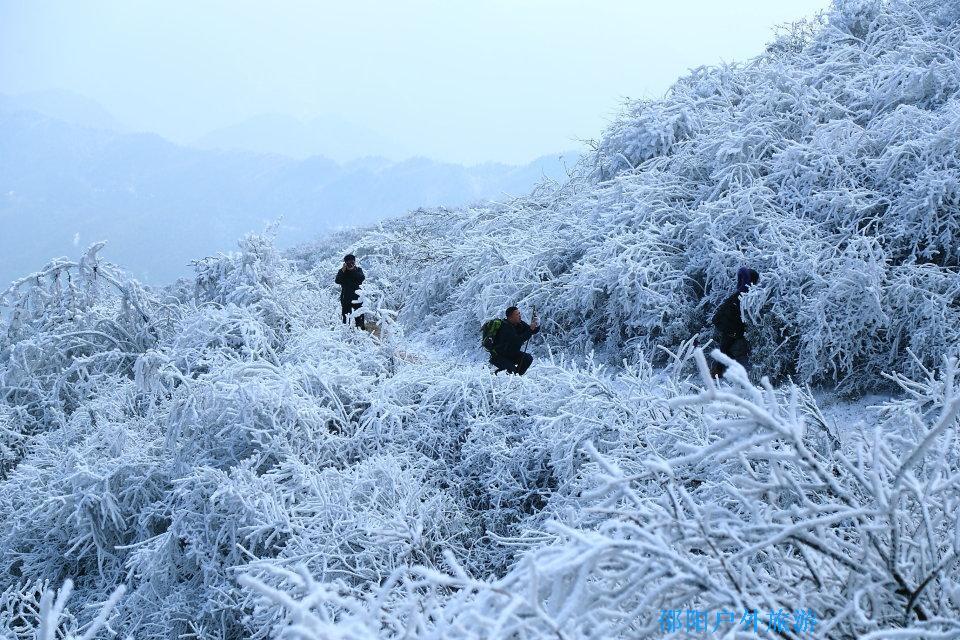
x: 329, y: 136
x: 63, y: 105
x: 161, y: 205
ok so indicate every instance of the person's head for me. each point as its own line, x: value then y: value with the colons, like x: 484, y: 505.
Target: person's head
x: 746, y: 277
x: 350, y: 261
x: 513, y: 315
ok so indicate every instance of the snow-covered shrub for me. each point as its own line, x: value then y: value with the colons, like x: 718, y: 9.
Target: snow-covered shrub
x: 222, y: 449
x: 745, y: 499
x: 768, y: 507
x: 926, y: 297
x: 121, y: 412
x: 37, y: 612
x: 260, y: 279
x: 647, y: 130
x: 72, y: 328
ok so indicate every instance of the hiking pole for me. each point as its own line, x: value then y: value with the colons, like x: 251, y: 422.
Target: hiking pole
x: 523, y: 347
x: 533, y: 318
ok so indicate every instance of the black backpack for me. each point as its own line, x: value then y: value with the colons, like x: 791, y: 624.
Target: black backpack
x: 489, y: 333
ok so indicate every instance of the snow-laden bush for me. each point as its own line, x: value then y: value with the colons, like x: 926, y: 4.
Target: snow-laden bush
x: 765, y: 506
x: 230, y: 443
x: 745, y: 499
x: 338, y: 485
x: 120, y: 410
x: 36, y: 611
x: 70, y: 325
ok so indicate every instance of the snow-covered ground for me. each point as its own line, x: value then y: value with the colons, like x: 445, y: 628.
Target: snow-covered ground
x: 240, y: 463
x: 222, y: 458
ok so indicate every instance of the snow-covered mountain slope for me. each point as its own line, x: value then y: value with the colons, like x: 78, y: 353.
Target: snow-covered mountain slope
x: 829, y: 164
x: 240, y: 464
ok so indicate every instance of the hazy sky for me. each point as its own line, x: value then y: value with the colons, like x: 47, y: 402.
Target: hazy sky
x: 465, y: 81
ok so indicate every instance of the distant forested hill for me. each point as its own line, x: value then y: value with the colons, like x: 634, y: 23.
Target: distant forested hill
x: 161, y: 205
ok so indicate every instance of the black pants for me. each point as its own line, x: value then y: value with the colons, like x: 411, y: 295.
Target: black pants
x: 517, y: 363
x: 737, y: 348
x: 346, y: 308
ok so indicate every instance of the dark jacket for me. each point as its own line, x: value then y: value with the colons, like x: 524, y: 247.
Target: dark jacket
x: 510, y: 338
x: 349, y: 282
x: 728, y: 320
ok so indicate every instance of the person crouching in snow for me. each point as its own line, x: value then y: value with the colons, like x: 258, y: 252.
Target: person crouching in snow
x: 511, y: 336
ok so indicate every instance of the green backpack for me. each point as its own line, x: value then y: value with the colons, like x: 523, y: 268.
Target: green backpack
x: 489, y: 332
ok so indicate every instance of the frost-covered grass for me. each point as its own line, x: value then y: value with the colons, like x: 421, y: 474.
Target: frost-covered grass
x: 223, y: 458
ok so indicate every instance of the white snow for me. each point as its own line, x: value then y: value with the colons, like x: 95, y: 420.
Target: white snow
x: 222, y: 458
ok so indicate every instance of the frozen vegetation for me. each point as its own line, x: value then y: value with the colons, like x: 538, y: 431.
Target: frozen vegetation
x: 222, y: 458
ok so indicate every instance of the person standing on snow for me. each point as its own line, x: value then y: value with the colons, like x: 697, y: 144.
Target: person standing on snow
x: 350, y: 277
x: 510, y: 337
x: 731, y: 330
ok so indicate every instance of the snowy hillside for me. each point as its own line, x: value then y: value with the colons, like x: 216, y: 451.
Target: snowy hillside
x: 224, y: 459
x: 830, y: 165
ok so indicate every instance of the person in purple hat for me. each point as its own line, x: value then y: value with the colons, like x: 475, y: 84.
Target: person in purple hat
x: 728, y: 321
